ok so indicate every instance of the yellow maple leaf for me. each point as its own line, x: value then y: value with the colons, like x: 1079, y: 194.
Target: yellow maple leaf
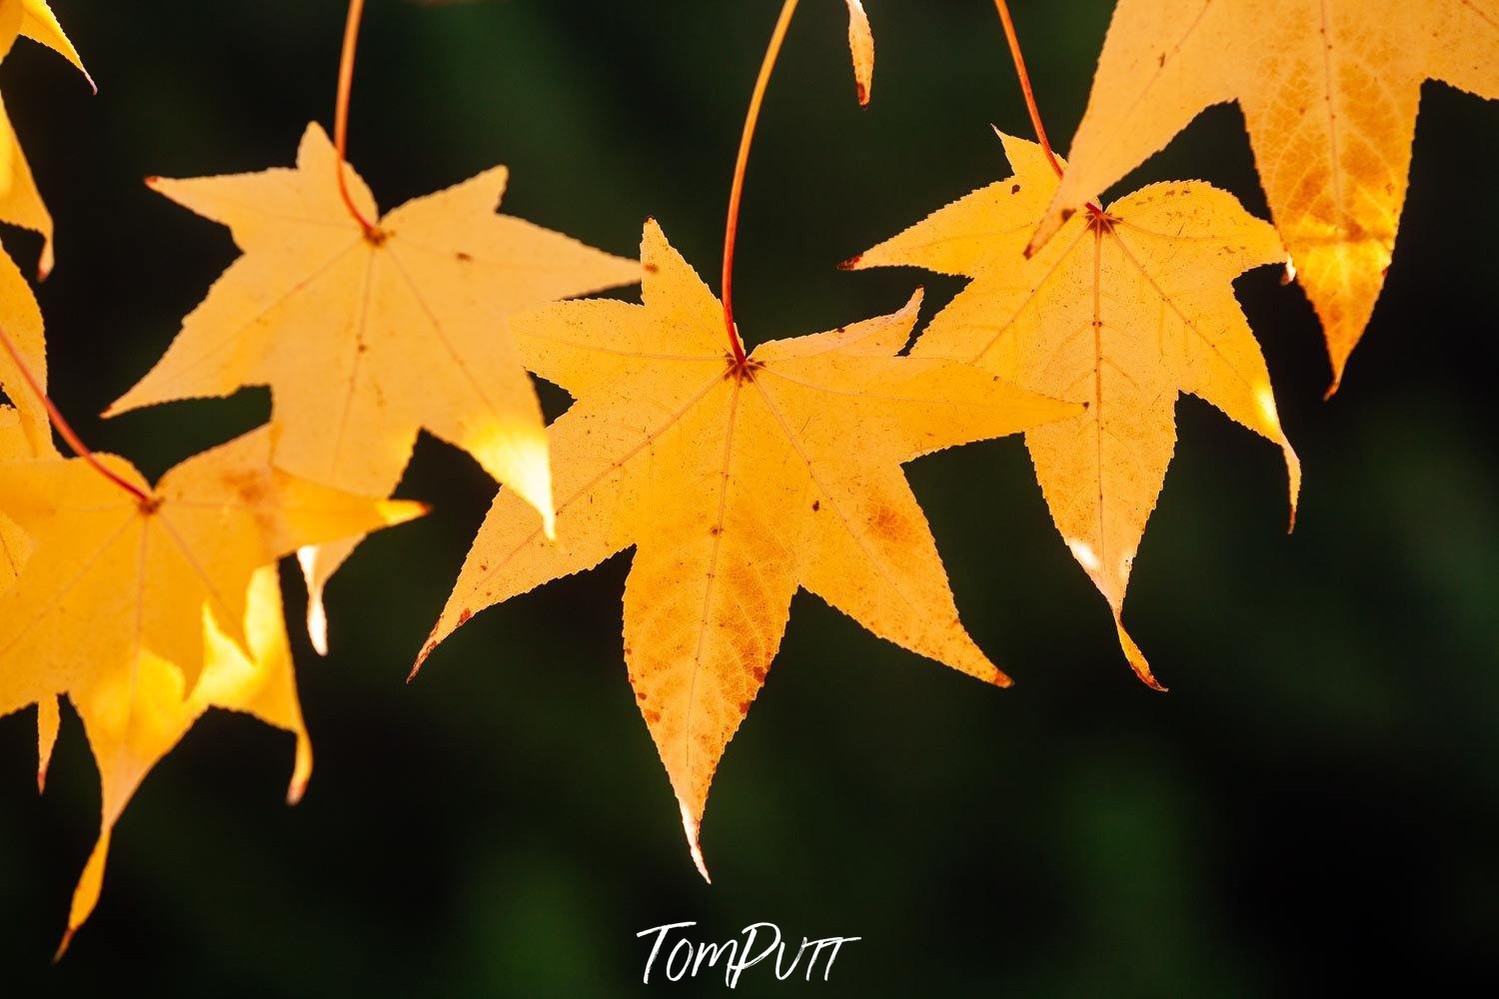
x: 134, y: 717
x: 1120, y: 312
x: 145, y: 612
x: 367, y: 339
x: 1329, y: 94
x: 111, y: 576
x: 20, y: 202
x: 736, y: 483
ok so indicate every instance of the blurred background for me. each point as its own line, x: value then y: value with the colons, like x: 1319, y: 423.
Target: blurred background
x: 1314, y: 807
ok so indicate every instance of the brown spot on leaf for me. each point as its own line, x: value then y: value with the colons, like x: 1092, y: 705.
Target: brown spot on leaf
x: 887, y: 523
x: 250, y: 486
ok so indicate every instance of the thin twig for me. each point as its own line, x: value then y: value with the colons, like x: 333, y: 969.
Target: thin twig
x: 1030, y: 94
x: 65, y: 429
x: 341, y: 114
x: 736, y: 191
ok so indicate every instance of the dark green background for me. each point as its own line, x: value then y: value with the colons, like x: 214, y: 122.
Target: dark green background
x: 1313, y: 808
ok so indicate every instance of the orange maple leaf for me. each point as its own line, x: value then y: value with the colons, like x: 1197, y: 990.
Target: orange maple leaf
x: 737, y: 483
x: 1122, y: 312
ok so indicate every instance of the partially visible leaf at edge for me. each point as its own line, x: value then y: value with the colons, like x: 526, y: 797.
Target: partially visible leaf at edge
x: 1329, y: 93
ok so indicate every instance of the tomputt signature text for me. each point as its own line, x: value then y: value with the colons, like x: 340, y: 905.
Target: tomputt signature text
x: 686, y: 959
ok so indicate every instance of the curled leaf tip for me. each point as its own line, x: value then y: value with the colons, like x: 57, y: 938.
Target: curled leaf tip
x: 297, y: 789
x: 317, y: 611
x: 301, y: 771
x: 1137, y: 660
x: 421, y: 659
x: 62, y: 948
x: 1295, y: 506
x: 1293, y: 478
x: 693, y: 828
x: 318, y: 624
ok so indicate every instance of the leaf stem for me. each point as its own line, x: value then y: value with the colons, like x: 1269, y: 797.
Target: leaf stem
x: 1018, y: 58
x: 341, y: 114
x: 65, y: 429
x: 736, y: 191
